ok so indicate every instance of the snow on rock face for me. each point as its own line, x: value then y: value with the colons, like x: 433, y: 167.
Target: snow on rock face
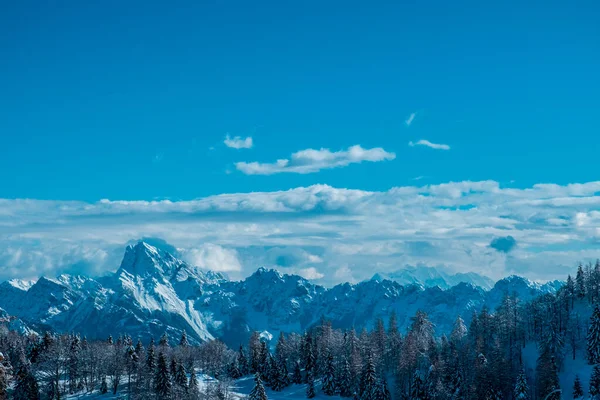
x: 153, y: 292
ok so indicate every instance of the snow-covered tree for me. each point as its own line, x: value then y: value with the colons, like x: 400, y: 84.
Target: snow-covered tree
x: 310, y: 385
x: 329, y: 378
x: 162, y: 380
x: 521, y: 387
x: 368, y: 381
x: 297, y: 374
x: 258, y: 391
x: 593, y: 337
x: 577, y: 388
x: 595, y: 383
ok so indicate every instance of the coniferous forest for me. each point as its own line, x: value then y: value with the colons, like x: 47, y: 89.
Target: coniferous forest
x: 516, y: 351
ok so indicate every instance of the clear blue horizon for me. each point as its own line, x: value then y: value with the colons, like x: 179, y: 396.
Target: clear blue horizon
x: 143, y: 101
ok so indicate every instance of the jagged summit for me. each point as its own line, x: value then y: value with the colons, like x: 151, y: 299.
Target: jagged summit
x: 143, y: 259
x: 430, y: 277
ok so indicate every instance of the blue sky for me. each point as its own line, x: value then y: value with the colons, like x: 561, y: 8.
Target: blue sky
x: 94, y: 91
x: 134, y: 101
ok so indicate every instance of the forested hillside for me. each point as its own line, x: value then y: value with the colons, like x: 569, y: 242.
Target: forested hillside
x: 548, y: 347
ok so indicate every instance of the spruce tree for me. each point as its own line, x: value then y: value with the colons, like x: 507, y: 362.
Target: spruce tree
x: 183, y: 342
x: 26, y: 386
x: 521, y: 387
x: 580, y: 283
x: 368, y: 381
x: 310, y: 385
x: 329, y: 378
x: 297, y: 375
x: 162, y: 380
x: 242, y: 362
x: 258, y: 392
x: 577, y: 388
x: 417, y: 387
x: 164, y: 340
x: 595, y: 383
x: 104, y: 386
x: 193, y: 390
x: 593, y: 338
x: 346, y: 382
x: 384, y: 391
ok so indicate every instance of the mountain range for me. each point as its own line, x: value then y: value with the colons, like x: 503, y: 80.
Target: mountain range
x: 154, y: 292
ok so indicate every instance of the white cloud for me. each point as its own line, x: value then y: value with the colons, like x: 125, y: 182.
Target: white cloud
x: 410, y: 119
x: 213, y: 257
x: 344, y: 234
x: 310, y: 273
x: 312, y: 160
x: 427, y: 143
x: 238, y: 143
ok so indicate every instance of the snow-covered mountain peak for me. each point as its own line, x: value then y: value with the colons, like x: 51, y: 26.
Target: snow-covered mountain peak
x: 426, y: 276
x: 145, y: 260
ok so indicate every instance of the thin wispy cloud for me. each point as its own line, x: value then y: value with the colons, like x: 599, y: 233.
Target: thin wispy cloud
x: 237, y: 142
x: 410, y: 119
x: 427, y: 143
x: 312, y: 160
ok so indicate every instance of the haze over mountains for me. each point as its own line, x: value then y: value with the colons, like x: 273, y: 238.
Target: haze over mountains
x: 153, y: 292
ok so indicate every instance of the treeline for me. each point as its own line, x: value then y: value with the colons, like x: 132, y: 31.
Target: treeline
x: 486, y: 360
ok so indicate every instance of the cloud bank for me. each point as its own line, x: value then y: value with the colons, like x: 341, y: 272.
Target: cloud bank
x: 312, y: 160
x: 324, y: 233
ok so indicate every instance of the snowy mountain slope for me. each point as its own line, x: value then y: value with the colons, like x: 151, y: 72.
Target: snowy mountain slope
x: 153, y: 292
x: 431, y: 276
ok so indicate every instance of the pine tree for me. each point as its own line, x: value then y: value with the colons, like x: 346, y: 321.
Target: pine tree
x: 577, y: 388
x: 104, y: 386
x: 164, y: 341
x: 417, y: 387
x: 521, y: 387
x: 258, y: 392
x: 183, y: 342
x: 580, y: 283
x: 329, y: 378
x: 310, y: 385
x: 384, y: 391
x: 346, y: 383
x: 368, y: 381
x: 193, y: 390
x: 233, y: 371
x: 297, y: 375
x: 162, y: 381
x: 593, y: 338
x: 595, y: 383
x: 242, y: 362
x: 26, y: 386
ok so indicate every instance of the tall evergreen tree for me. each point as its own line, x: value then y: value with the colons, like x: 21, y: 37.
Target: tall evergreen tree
x: 162, y: 380
x: 577, y: 389
x: 26, y: 386
x: 183, y: 342
x: 258, y: 392
x: 193, y: 390
x: 329, y: 377
x: 242, y: 362
x: 595, y: 383
x: 297, y: 375
x: 310, y: 385
x: 580, y: 283
x: 417, y: 387
x: 368, y: 381
x: 593, y: 337
x: 521, y: 387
